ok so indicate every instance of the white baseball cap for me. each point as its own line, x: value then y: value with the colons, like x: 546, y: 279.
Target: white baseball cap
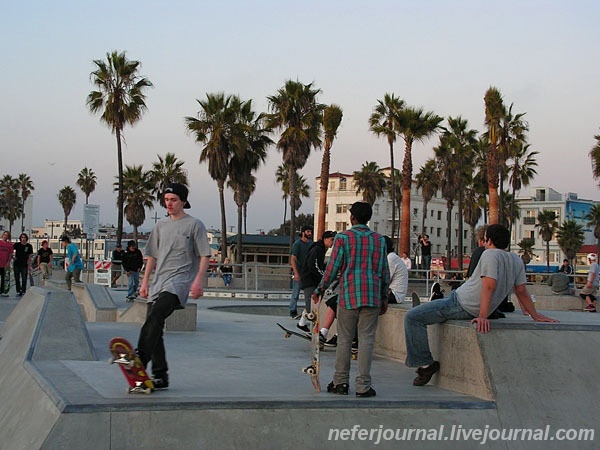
x: 591, y: 256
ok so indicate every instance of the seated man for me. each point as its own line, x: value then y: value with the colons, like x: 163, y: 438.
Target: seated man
x: 497, y: 273
x: 559, y: 283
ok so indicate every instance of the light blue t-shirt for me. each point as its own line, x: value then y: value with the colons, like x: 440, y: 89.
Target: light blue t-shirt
x: 72, y: 250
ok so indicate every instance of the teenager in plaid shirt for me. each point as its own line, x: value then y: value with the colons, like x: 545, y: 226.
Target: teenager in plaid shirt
x: 359, y: 255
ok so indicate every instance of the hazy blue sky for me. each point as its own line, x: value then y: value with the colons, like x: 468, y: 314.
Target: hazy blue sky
x: 439, y: 55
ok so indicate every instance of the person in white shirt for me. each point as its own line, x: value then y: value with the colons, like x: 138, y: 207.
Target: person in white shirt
x: 406, y: 260
x: 398, y: 274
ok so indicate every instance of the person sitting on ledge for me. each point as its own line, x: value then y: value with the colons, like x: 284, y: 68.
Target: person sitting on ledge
x: 496, y: 274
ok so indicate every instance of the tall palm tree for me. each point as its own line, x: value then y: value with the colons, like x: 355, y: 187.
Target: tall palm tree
x: 414, y: 124
x: 462, y: 141
x: 370, y: 181
x: 595, y: 157
x: 86, y: 180
x: 513, y: 130
x: 547, y: 224
x: 121, y: 99
x: 295, y: 111
x: 494, y: 111
x: 302, y: 188
x: 332, y: 117
x: 250, y: 150
x: 383, y: 123
x: 138, y: 188
x: 428, y: 181
x: 570, y: 238
x: 67, y: 199
x: 282, y: 178
x: 213, y: 128
x: 166, y: 170
x: 10, y: 203
x: 593, y: 220
x: 521, y: 167
x: 25, y: 186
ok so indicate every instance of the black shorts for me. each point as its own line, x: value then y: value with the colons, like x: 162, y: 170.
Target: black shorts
x: 332, y: 302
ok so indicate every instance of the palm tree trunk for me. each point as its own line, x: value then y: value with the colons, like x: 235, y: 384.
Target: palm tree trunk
x: 323, y: 186
x: 449, y: 236
x: 245, y: 218
x: 221, y: 185
x: 406, y: 185
x: 120, y: 192
x: 238, y: 244
x: 460, y: 233
x: 292, y: 182
x: 393, y: 193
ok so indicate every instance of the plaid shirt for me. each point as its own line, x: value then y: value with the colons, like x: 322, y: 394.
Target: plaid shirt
x: 359, y: 254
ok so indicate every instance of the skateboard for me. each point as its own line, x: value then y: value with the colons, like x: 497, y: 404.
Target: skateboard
x: 315, y: 350
x: 288, y: 333
x: 416, y: 300
x: 125, y: 357
x: 7, y: 272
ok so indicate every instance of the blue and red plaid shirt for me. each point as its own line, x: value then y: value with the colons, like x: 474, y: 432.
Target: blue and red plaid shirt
x: 360, y: 256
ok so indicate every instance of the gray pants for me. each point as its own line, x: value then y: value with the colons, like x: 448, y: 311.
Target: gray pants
x: 349, y: 320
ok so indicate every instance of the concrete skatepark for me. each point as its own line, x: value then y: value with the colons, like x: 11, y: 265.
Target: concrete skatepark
x: 236, y: 382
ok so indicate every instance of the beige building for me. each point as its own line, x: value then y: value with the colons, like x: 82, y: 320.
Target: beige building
x: 342, y: 193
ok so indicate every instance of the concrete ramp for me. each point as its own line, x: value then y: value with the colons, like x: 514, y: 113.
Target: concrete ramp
x: 44, y: 325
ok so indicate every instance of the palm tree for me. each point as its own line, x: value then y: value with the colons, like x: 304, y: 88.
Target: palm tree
x: 593, y: 218
x: 521, y: 167
x: 296, y: 112
x: 25, y: 186
x: 370, y: 181
x: 86, y: 180
x: 213, y: 128
x: 383, y: 123
x: 546, y: 222
x: 570, y: 238
x: 462, y: 141
x: 166, y: 170
x: 302, y: 188
x: 121, y: 99
x: 413, y: 125
x: 526, y: 250
x: 429, y: 182
x: 10, y: 203
x: 471, y: 212
x: 138, y: 187
x: 332, y: 117
x: 67, y: 199
x: 595, y: 157
x: 250, y: 150
x: 494, y: 111
x: 282, y: 178
x: 512, y: 136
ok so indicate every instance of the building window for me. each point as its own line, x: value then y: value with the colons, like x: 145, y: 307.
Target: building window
x: 342, y: 184
x: 340, y: 226
x: 439, y: 215
x: 415, y: 212
x: 376, y: 209
x: 438, y: 232
x: 375, y: 227
x: 332, y: 185
x: 341, y: 208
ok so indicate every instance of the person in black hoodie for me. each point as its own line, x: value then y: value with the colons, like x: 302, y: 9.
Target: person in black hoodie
x: 133, y: 261
x: 312, y: 272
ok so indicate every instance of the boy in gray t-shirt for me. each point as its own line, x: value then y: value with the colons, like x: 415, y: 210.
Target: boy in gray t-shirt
x: 179, y: 251
x: 497, y: 273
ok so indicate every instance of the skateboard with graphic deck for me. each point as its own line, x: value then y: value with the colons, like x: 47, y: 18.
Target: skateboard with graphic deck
x: 125, y: 357
x: 315, y: 349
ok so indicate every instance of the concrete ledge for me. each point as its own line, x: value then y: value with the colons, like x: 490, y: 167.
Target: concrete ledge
x: 96, y: 302
x: 180, y: 320
x: 548, y: 300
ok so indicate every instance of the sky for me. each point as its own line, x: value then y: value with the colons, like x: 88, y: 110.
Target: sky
x: 435, y: 54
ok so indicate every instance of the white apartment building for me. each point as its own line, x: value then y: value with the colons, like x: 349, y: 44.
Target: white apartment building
x: 566, y: 207
x: 341, y: 194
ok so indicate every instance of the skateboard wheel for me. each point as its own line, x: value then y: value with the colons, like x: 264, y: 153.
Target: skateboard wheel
x: 311, y: 316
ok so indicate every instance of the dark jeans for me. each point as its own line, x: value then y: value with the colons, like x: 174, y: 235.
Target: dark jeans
x: 20, y: 277
x: 150, y: 344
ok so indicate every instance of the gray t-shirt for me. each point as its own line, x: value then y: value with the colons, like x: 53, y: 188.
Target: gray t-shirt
x: 504, y: 267
x: 177, y: 246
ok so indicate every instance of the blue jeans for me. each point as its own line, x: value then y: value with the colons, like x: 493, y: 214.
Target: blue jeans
x: 415, y: 326
x: 134, y: 283
x: 294, y: 296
